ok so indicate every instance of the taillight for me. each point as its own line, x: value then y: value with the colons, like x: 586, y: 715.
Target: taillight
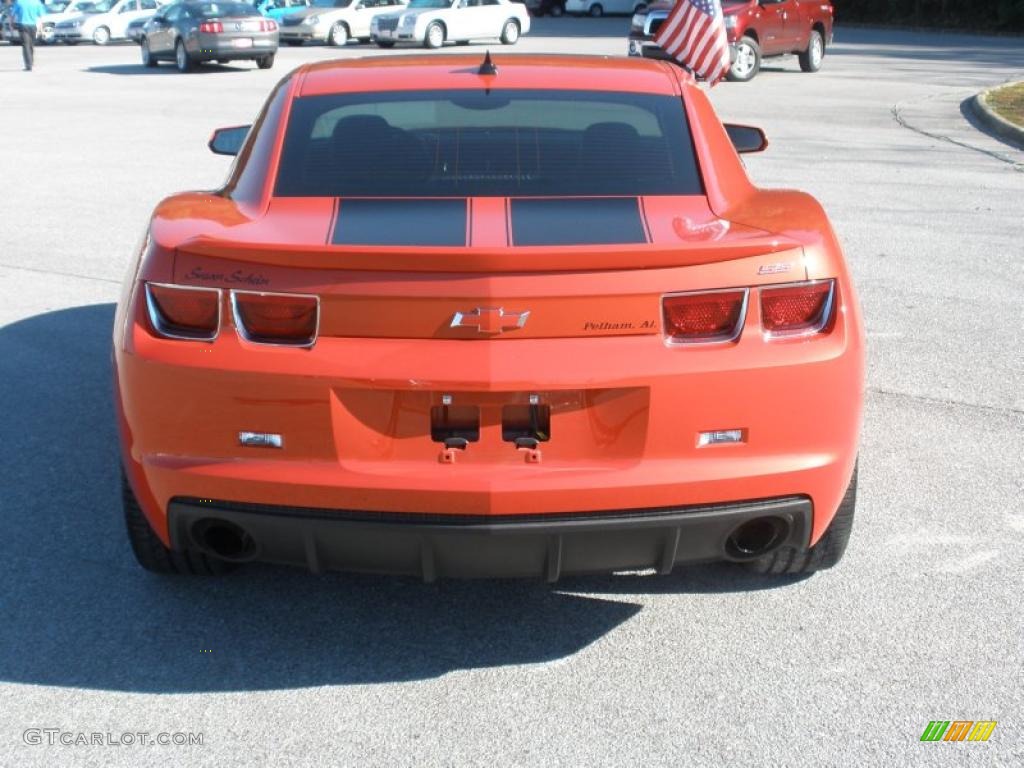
x: 268, y: 25
x: 704, y: 316
x: 211, y: 27
x: 183, y: 312
x: 797, y: 309
x: 288, y: 319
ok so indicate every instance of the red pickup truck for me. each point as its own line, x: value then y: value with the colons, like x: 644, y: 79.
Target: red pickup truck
x: 757, y: 29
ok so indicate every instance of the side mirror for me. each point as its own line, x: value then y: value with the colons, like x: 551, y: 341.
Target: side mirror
x: 228, y: 141
x: 746, y: 138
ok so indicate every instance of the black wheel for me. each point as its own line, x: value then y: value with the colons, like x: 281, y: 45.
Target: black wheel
x: 510, y: 32
x: 294, y: 43
x: 147, y: 57
x: 596, y: 11
x: 825, y: 554
x: 385, y: 43
x: 182, y: 60
x: 265, y: 62
x: 435, y: 35
x: 338, y: 36
x: 556, y: 10
x: 150, y: 551
x: 810, y: 60
x: 747, y: 62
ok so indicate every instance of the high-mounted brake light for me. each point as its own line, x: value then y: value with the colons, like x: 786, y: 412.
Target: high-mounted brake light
x: 212, y: 27
x: 704, y: 316
x: 288, y: 319
x: 797, y: 309
x: 183, y: 312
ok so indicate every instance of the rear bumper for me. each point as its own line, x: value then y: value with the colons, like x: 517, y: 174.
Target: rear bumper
x: 208, y: 47
x: 305, y: 34
x: 477, y: 547
x: 645, y: 47
x: 625, y: 418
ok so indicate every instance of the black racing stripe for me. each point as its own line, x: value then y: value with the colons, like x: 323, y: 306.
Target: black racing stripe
x: 577, y: 221
x: 401, y: 222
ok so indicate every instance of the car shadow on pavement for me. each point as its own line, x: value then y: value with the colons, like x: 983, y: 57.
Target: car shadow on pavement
x: 75, y: 609
x: 166, y: 69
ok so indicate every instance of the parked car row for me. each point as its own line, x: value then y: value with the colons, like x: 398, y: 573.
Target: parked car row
x: 163, y: 27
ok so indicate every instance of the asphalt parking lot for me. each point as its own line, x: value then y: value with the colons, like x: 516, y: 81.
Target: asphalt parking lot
x: 921, y: 621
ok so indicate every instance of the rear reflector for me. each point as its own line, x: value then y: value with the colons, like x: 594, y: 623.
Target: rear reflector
x: 703, y: 317
x: 287, y: 319
x: 183, y: 312
x: 211, y: 27
x: 797, y: 309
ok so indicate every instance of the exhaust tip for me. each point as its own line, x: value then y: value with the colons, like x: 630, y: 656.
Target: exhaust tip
x: 756, y: 537
x: 223, y: 539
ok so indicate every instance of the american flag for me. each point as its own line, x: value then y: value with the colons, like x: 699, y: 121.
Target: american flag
x: 694, y: 35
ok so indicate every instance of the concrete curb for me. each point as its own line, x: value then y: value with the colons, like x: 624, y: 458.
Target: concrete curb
x: 998, y: 125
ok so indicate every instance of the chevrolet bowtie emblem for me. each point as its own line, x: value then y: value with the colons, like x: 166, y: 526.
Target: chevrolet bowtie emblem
x: 487, y: 320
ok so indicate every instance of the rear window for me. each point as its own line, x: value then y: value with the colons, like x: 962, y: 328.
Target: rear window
x: 221, y: 10
x: 496, y: 143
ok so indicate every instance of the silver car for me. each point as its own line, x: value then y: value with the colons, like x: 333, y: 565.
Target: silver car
x: 334, y: 21
x: 195, y: 31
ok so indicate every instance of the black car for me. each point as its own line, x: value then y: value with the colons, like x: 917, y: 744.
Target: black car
x: 195, y: 31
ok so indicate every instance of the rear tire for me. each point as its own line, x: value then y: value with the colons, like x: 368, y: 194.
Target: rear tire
x: 596, y: 11
x: 150, y: 551
x: 147, y: 57
x: 338, y: 36
x: 434, y: 38
x: 556, y: 10
x: 385, y: 43
x: 265, y: 62
x: 825, y: 554
x: 747, y: 63
x: 810, y: 60
x: 182, y: 60
x: 510, y: 32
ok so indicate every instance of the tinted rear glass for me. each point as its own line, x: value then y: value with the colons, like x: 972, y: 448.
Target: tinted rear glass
x: 221, y: 10
x: 501, y: 143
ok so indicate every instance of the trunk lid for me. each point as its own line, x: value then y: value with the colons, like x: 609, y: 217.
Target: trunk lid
x: 481, y: 268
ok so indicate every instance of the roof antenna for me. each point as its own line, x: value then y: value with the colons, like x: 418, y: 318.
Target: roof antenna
x: 487, y: 67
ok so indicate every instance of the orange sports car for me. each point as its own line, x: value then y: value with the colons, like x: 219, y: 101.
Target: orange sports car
x: 514, y: 317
